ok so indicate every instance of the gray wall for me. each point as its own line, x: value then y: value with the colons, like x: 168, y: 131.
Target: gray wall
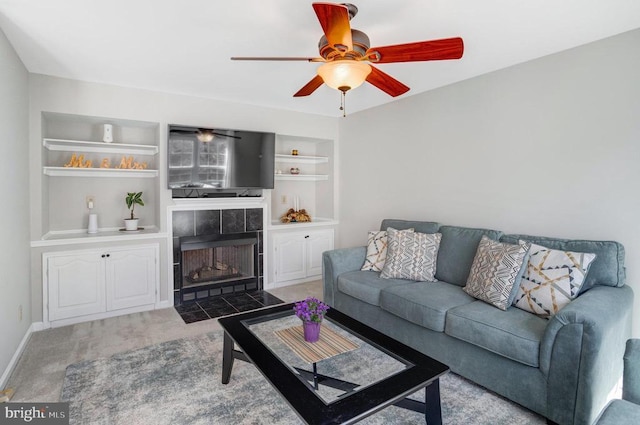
x: 549, y: 147
x: 14, y: 216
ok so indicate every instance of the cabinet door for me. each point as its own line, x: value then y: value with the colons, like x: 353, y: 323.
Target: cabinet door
x: 290, y: 256
x: 131, y: 277
x: 317, y: 242
x: 76, y: 285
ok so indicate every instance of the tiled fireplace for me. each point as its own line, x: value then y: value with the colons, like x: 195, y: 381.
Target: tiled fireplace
x: 216, y: 252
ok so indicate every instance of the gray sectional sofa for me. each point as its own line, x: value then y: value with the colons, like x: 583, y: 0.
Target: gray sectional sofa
x: 562, y: 368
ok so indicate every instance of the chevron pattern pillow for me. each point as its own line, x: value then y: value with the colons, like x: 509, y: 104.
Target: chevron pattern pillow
x: 411, y: 255
x: 552, y: 279
x: 494, y: 271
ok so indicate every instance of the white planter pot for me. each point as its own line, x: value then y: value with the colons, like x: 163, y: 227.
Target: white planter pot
x: 131, y: 223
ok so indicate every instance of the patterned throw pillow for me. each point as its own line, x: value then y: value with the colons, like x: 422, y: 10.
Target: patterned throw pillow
x: 494, y: 270
x: 377, y: 250
x: 551, y: 280
x: 411, y: 255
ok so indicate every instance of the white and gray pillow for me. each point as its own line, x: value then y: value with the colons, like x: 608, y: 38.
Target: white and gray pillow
x: 411, y: 255
x: 495, y: 268
x: 552, y: 279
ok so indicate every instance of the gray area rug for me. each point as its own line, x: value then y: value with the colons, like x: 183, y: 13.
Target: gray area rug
x: 178, y: 382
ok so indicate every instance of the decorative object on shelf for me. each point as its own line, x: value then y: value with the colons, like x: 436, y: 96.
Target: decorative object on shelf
x: 107, y: 133
x: 93, y: 224
x: 78, y: 162
x: 294, y: 152
x: 106, y: 163
x: 295, y: 216
x: 294, y: 170
x: 311, y: 311
x: 130, y: 164
x: 132, y: 199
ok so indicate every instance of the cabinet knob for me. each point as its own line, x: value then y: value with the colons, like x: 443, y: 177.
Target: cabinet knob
x: 306, y: 237
x: 103, y: 255
x: 108, y: 255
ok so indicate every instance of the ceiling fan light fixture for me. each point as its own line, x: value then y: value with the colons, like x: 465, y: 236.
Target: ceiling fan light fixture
x: 204, y: 135
x: 344, y: 75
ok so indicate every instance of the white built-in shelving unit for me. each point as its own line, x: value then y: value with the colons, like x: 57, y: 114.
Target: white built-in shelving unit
x: 66, y: 188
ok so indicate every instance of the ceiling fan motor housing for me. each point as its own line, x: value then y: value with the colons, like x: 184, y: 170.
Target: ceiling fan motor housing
x: 360, y: 41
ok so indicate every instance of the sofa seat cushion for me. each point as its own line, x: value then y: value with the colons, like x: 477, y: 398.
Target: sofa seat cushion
x: 513, y: 333
x: 423, y: 303
x: 365, y: 285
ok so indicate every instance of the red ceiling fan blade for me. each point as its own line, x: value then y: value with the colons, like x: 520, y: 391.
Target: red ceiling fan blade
x: 448, y: 48
x: 310, y: 87
x: 386, y: 83
x: 334, y: 19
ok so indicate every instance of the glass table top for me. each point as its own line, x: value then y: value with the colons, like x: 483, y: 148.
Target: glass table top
x: 351, y: 367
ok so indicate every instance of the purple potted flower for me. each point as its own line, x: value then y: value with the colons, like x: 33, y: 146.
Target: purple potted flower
x: 311, y: 311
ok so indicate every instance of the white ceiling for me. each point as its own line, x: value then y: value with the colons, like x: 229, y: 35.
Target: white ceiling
x: 184, y: 46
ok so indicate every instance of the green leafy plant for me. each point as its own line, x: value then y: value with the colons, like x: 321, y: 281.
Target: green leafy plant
x: 133, y: 199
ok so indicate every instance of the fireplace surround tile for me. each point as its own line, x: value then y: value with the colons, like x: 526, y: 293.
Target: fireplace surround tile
x: 254, y: 219
x: 233, y: 221
x: 207, y: 222
x: 183, y: 223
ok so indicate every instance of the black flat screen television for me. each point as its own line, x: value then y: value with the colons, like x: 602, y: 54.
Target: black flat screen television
x: 207, y: 158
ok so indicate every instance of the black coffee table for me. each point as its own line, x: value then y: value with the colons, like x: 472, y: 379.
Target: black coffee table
x: 343, y: 389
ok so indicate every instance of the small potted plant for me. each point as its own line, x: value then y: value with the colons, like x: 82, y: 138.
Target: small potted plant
x: 311, y: 311
x: 132, y: 199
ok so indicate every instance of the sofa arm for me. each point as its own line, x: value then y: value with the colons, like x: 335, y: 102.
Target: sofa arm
x: 336, y: 262
x: 581, y: 353
x: 631, y: 380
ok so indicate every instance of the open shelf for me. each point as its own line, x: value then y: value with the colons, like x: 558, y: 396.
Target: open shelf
x: 301, y: 159
x: 97, y: 172
x: 86, y: 146
x: 302, y: 177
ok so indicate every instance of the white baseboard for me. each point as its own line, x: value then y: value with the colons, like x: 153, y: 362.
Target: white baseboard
x: 16, y: 356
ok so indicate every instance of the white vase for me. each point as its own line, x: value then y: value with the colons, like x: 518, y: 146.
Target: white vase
x: 107, y: 133
x: 131, y: 224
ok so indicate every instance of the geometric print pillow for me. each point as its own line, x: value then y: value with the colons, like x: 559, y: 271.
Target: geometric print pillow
x: 377, y: 250
x: 495, y: 268
x: 551, y: 280
x: 411, y: 255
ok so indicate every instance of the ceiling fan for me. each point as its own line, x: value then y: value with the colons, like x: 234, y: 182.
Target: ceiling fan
x: 202, y: 134
x: 346, y: 54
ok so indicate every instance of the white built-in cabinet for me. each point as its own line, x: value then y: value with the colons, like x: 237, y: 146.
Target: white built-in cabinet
x: 298, y: 255
x: 295, y: 249
x: 96, y: 283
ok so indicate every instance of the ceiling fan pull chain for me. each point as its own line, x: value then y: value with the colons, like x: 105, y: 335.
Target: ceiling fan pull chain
x: 343, y: 96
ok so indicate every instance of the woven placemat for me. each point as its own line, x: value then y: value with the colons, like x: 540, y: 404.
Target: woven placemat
x: 330, y: 343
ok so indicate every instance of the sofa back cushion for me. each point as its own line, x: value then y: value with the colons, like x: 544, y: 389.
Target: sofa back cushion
x: 458, y: 247
x: 418, y: 226
x: 607, y: 269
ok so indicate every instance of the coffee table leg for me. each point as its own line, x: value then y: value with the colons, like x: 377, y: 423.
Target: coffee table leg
x: 227, y: 358
x: 433, y: 413
x: 315, y: 376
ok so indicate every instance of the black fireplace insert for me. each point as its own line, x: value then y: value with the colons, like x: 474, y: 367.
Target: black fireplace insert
x: 227, y: 261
